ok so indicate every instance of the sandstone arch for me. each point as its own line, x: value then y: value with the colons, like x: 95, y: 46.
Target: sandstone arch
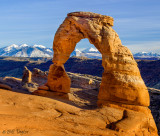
x: 121, y: 80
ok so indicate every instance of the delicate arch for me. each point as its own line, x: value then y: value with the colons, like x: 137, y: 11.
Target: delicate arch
x: 121, y: 80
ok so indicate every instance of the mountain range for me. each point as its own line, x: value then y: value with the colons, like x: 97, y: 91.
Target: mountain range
x: 89, y: 53
x: 25, y: 50
x: 147, y: 55
x: 94, y: 53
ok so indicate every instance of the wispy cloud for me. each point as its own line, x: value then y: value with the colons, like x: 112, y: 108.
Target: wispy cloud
x: 37, y: 20
x: 151, y: 46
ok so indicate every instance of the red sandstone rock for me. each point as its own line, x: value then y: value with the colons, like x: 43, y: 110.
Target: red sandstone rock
x: 58, y: 79
x: 43, y: 87
x: 26, y: 76
x: 121, y: 81
x: 3, y: 86
x: 123, y: 96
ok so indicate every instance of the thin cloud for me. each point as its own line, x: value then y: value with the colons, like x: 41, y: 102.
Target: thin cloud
x: 151, y: 46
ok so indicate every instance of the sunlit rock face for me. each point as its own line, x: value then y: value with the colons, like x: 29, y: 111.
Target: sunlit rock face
x: 121, y: 81
x: 122, y: 91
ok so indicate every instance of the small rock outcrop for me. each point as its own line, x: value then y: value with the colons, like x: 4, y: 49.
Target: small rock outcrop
x: 84, y: 81
x: 31, y: 80
x: 27, y: 74
x: 39, y: 76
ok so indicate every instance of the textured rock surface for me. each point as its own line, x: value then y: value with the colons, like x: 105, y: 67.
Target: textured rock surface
x: 3, y: 86
x: 31, y: 80
x: 123, y: 96
x: 84, y: 81
x: 75, y: 115
x: 51, y: 117
x: 14, y: 83
x: 121, y: 81
x: 39, y: 76
x: 155, y: 105
x: 58, y: 79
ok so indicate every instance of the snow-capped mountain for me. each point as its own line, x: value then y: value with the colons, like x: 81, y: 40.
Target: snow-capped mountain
x: 39, y: 46
x: 23, y: 45
x: 91, y: 53
x: 10, y: 48
x: 147, y: 55
x: 76, y: 52
x: 90, y: 50
x: 25, y: 50
x: 94, y: 53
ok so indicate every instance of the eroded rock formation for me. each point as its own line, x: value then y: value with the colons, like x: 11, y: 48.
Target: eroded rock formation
x: 121, y: 81
x: 40, y: 116
x: 26, y: 76
x: 122, y: 87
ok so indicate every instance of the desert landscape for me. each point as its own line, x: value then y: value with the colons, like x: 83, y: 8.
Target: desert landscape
x: 79, y: 96
x: 23, y: 113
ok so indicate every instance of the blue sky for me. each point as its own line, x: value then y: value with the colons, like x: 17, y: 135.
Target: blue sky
x: 35, y: 21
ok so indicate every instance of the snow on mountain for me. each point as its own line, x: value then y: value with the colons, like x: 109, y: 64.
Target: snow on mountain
x: 94, y: 53
x: 23, y: 45
x: 146, y: 55
x: 90, y: 50
x: 25, y: 50
x: 49, y: 50
x: 10, y: 48
x: 143, y: 52
x: 91, y: 53
x: 76, y: 52
x: 40, y: 46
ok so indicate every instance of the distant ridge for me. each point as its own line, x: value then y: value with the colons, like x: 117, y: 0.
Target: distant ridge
x: 25, y: 50
x: 89, y: 53
x: 147, y: 55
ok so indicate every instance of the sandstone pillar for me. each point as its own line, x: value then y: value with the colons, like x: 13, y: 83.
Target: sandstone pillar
x: 58, y: 79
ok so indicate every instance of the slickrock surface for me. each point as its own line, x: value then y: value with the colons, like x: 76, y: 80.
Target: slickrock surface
x: 123, y: 98
x: 79, y: 116
x: 121, y: 81
x: 85, y: 99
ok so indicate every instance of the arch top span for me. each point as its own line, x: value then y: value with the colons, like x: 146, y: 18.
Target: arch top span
x: 80, y: 25
x: 107, y: 19
x: 121, y: 80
